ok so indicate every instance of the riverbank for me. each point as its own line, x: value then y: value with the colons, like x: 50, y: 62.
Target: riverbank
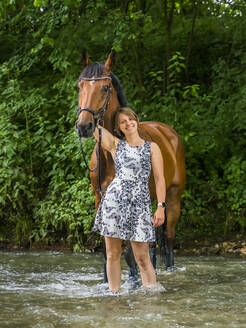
x: 233, y: 247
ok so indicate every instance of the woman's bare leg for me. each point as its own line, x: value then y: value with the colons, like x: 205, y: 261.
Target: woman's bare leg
x: 141, y: 254
x: 113, y: 251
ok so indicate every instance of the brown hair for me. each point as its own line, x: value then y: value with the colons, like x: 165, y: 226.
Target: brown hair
x: 126, y: 111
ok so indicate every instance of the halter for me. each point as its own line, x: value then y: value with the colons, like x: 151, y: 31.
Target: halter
x: 101, y: 111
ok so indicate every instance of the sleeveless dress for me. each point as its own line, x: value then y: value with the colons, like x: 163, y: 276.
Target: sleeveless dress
x: 125, y: 209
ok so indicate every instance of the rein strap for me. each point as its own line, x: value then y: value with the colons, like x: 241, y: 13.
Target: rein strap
x: 95, y: 114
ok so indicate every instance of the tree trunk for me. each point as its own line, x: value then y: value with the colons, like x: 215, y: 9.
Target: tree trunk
x: 195, y: 8
x: 168, y: 16
x: 139, y: 51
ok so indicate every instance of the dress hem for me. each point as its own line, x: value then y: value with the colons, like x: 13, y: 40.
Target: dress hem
x: 126, y: 239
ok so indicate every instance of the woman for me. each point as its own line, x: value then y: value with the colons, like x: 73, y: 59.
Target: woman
x: 125, y: 212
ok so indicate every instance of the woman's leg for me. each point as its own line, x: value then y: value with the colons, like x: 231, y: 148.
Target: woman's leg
x: 141, y: 254
x: 113, y: 251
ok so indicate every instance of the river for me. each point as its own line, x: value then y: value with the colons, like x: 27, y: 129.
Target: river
x: 55, y: 289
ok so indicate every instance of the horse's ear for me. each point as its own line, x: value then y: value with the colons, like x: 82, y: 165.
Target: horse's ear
x: 109, y: 63
x: 85, y: 58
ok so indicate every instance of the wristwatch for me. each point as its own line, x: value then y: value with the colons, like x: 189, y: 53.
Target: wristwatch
x: 162, y: 204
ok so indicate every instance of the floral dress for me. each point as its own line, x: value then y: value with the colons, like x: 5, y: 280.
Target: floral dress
x: 125, y: 209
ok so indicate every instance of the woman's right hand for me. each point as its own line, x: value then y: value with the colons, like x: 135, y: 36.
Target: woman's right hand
x: 159, y: 216
x: 109, y: 142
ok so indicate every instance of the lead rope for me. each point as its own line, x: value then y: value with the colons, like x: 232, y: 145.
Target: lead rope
x: 165, y: 218
x: 99, y: 147
x: 99, y: 163
x: 84, y: 157
x: 98, y: 155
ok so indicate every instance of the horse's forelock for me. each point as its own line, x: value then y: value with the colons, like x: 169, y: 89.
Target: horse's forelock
x: 92, y: 70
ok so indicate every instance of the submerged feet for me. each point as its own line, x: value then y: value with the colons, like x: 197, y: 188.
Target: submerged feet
x: 132, y: 283
x: 171, y: 268
x: 113, y: 293
x: 157, y: 288
x: 136, y: 289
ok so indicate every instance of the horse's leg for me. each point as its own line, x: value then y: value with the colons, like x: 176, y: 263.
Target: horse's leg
x: 130, y: 260
x: 105, y: 276
x: 173, y: 214
x: 152, y: 254
x: 160, y: 240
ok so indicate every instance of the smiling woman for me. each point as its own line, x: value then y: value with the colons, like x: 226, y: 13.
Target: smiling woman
x: 127, y: 114
x: 125, y: 211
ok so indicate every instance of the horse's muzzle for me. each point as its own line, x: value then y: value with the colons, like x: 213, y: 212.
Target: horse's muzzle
x: 84, y: 130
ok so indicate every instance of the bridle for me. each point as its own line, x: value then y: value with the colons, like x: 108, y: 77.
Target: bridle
x: 98, y: 116
x: 101, y: 110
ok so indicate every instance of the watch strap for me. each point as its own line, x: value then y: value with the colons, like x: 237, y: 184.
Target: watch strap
x: 162, y: 204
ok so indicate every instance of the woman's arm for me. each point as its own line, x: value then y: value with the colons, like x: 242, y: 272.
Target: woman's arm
x: 109, y: 142
x: 158, y: 169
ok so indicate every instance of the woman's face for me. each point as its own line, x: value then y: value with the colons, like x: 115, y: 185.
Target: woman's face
x: 127, y: 125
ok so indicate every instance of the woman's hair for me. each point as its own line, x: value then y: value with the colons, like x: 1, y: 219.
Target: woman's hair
x: 126, y: 111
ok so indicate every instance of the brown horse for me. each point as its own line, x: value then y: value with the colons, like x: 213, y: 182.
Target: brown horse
x: 99, y: 92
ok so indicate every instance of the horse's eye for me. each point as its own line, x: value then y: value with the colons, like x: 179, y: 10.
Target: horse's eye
x: 105, y: 88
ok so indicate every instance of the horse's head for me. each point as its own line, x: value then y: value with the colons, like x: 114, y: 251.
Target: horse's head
x: 96, y: 94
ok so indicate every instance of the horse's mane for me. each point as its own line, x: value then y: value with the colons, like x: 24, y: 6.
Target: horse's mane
x: 96, y: 70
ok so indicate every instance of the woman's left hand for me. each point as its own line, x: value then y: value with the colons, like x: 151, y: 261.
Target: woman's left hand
x: 159, y: 216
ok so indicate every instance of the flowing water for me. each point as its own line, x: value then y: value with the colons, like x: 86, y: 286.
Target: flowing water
x: 53, y: 289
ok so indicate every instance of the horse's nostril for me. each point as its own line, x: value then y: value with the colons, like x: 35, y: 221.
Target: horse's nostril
x: 84, y: 130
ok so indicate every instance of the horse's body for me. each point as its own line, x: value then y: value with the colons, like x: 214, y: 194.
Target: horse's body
x: 92, y: 96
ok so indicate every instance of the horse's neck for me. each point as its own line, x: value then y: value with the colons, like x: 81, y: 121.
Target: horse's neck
x: 108, y: 124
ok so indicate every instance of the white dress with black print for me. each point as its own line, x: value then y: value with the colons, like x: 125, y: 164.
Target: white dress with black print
x: 125, y: 209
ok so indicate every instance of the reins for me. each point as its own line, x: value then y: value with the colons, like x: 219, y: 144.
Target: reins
x: 101, y: 111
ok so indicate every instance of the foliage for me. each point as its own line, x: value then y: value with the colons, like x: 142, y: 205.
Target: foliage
x: 182, y: 64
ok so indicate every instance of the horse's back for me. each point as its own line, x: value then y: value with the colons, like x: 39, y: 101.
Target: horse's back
x: 172, y: 150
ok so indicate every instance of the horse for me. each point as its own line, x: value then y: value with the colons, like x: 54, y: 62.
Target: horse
x: 100, y: 96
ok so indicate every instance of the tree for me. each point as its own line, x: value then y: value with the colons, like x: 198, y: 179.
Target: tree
x: 180, y: 62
